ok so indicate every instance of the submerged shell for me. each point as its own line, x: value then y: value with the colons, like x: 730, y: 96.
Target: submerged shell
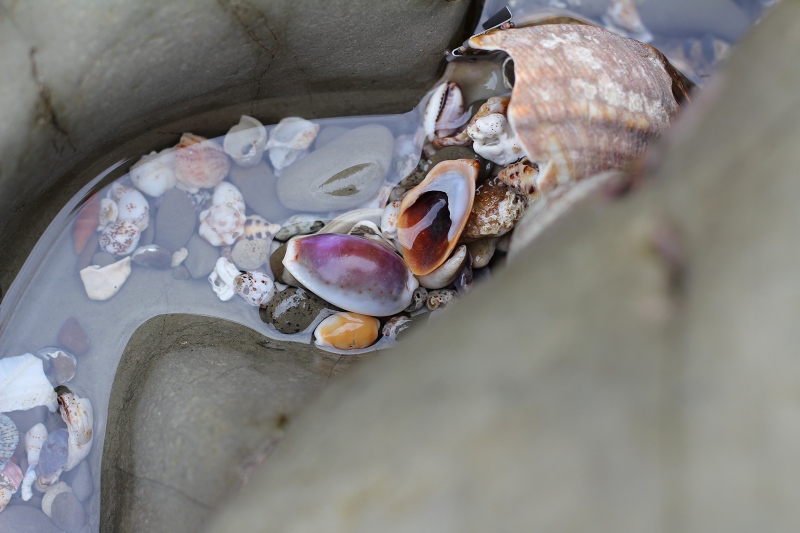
x: 109, y: 211
x: 34, y: 440
x: 53, y: 456
x: 120, y: 238
x: 290, y: 137
x: 492, y: 135
x: 301, y: 224
x: 154, y: 173
x: 78, y: 415
x: 584, y: 100
x: 255, y: 287
x: 350, y: 272
x: 9, y: 438
x: 153, y: 256
x: 10, y: 478
x: 200, y: 163
x: 24, y: 385
x: 103, y: 283
x: 347, y: 331
x: 62, y: 365
x: 395, y: 326
x: 245, y: 142
x: 444, y: 112
x: 132, y: 206
x: 257, y: 227
x: 223, y: 222
x: 433, y: 215
x: 223, y: 278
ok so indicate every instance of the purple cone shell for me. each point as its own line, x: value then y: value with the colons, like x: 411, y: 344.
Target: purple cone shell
x: 53, y: 456
x: 353, y: 273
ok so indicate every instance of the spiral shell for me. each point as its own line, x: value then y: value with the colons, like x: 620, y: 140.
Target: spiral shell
x: 78, y: 415
x: 85, y: 223
x: 585, y: 100
x: 9, y: 438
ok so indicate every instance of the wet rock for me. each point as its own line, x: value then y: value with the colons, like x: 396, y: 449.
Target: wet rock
x: 258, y: 185
x: 180, y: 273
x: 327, y: 134
x: 26, y: 519
x: 149, y: 234
x: 67, y: 512
x: 293, y: 310
x: 80, y: 479
x: 102, y: 259
x: 153, y: 256
x: 202, y: 257
x: 175, y: 221
x: 72, y: 337
x: 85, y: 257
x: 342, y: 174
x: 249, y: 254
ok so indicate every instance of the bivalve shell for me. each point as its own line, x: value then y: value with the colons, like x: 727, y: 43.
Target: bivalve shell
x: 200, y: 163
x: 9, y: 438
x: 347, y: 331
x: 154, y: 173
x: 433, y: 215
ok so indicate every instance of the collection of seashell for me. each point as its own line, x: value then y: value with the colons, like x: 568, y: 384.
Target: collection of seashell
x: 354, y: 234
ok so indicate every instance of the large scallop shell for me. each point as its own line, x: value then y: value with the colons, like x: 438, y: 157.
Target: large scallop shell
x: 585, y: 100
x: 433, y: 214
x: 9, y: 438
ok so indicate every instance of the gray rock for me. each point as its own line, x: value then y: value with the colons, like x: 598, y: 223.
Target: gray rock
x: 103, y: 259
x: 249, y: 254
x: 293, y: 310
x: 342, y: 174
x: 327, y: 134
x: 27, y: 419
x: 26, y: 519
x: 67, y: 513
x: 80, y: 479
x: 175, y: 220
x: 202, y: 257
x: 258, y: 185
x: 149, y: 234
x: 181, y: 273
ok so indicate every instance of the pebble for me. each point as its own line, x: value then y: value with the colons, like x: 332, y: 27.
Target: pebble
x: 250, y: 254
x: 181, y: 273
x: 26, y: 519
x: 103, y: 259
x: 202, y: 257
x: 258, y: 185
x: 72, y: 337
x: 342, y: 174
x: 292, y: 310
x: 175, y: 221
x: 85, y: 257
x: 153, y: 256
x: 67, y: 512
x: 24, y: 420
x: 328, y: 134
x: 80, y: 479
x: 149, y: 234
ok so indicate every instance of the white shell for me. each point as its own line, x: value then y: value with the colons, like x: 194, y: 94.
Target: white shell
x: 179, y: 256
x: 78, y: 415
x: 50, y: 495
x: 246, y: 141
x: 447, y: 272
x: 255, y: 287
x: 154, y: 173
x: 223, y: 222
x: 24, y: 385
x: 109, y: 211
x: 103, y: 283
x: 482, y: 251
x: 389, y: 219
x: 444, y: 112
x: 494, y: 139
x: 290, y: 137
x: 133, y: 206
x: 34, y: 439
x: 345, y: 222
x: 222, y: 279
x: 301, y: 224
x: 120, y: 238
x: 27, y: 482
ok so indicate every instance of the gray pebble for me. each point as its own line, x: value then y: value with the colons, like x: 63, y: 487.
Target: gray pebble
x: 103, y: 259
x: 293, y: 310
x: 26, y: 519
x: 80, y: 479
x: 258, y: 185
x: 180, y: 273
x: 202, y: 257
x: 249, y: 254
x: 342, y: 174
x: 25, y: 420
x: 67, y: 513
x: 149, y: 234
x: 175, y: 220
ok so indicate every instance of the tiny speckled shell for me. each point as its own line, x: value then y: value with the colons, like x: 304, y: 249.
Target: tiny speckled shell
x: 585, y: 100
x: 120, y: 238
x: 9, y: 438
x: 347, y: 331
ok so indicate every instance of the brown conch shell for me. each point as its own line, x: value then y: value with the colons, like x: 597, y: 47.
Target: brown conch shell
x: 85, y: 223
x: 585, y: 101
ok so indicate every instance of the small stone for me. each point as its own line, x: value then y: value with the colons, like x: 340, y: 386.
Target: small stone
x: 72, y: 337
x: 102, y: 259
x: 175, y: 221
x: 202, y: 257
x: 293, y: 310
x: 67, y: 512
x: 276, y: 261
x: 80, y: 479
x: 181, y: 273
x: 26, y: 519
x: 250, y: 254
x: 153, y: 256
x: 342, y: 174
x: 258, y: 185
x: 149, y: 234
x: 85, y: 257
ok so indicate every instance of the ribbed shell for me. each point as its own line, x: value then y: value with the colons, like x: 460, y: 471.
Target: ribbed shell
x: 9, y: 438
x: 585, y: 100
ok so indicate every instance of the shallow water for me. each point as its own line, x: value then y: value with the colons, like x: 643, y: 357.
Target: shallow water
x: 48, y: 290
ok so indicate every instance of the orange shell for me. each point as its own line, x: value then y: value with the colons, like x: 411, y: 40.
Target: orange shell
x: 86, y: 223
x: 347, y: 331
x: 585, y: 100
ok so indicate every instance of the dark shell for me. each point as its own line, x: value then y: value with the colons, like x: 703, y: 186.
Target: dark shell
x: 153, y: 256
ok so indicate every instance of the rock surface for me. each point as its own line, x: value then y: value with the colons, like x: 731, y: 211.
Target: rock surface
x: 293, y: 310
x: 258, y: 185
x: 25, y: 519
x: 343, y: 173
x: 175, y: 220
x: 67, y: 513
x: 202, y: 257
x: 249, y: 254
